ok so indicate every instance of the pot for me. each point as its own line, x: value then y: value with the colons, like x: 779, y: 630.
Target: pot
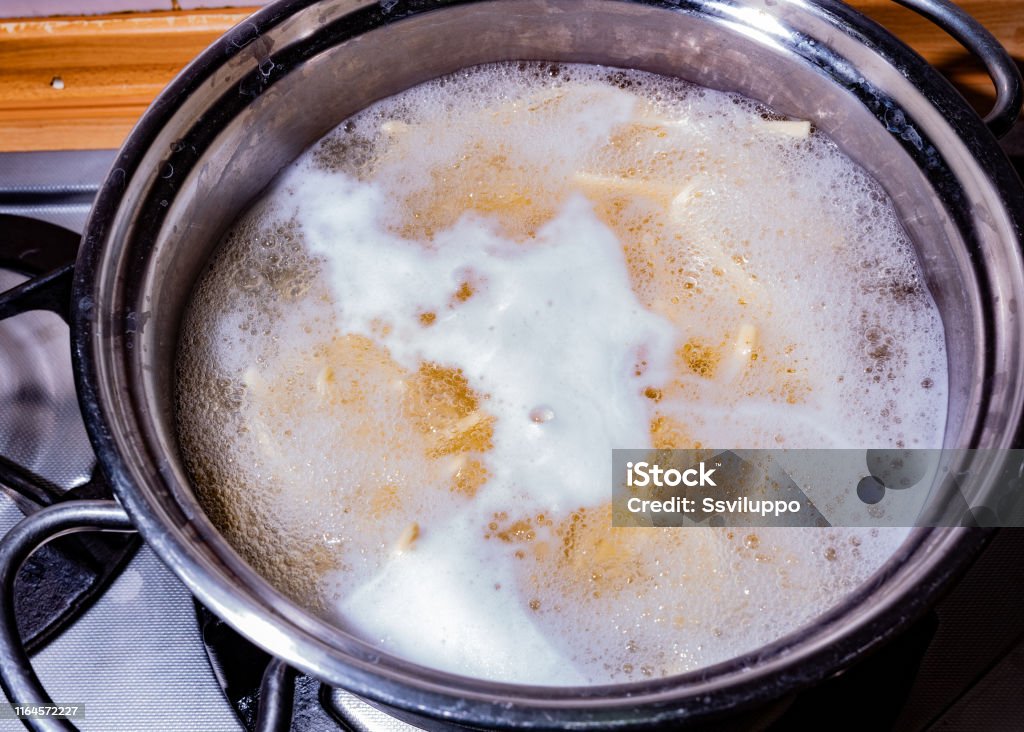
x: 279, y: 81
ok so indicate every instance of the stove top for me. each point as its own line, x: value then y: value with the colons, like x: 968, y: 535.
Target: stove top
x: 119, y: 634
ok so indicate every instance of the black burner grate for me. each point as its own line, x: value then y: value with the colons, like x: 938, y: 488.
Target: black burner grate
x: 62, y: 580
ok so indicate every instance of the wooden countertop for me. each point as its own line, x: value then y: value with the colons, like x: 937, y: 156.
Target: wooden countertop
x: 76, y: 83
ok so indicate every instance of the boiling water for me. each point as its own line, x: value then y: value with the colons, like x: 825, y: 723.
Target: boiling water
x: 403, y: 372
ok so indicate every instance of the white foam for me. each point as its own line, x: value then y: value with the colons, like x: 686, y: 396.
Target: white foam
x: 510, y: 337
x: 478, y: 628
x: 438, y: 323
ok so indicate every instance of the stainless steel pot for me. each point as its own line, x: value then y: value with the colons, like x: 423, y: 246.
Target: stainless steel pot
x: 271, y: 87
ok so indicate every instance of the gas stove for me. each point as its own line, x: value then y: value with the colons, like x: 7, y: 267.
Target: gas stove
x: 113, y: 631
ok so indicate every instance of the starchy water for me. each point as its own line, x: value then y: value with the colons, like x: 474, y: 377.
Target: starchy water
x: 403, y: 373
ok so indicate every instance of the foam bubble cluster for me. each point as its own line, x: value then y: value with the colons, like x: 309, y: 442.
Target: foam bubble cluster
x: 403, y: 373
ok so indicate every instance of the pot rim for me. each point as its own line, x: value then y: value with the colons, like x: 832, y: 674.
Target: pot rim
x: 827, y: 644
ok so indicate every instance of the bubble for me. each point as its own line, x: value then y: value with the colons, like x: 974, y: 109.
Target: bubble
x: 541, y: 415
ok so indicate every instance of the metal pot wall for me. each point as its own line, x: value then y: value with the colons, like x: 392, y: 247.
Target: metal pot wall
x: 270, y: 88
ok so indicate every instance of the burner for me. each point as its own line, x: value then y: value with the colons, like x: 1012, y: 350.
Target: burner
x: 266, y: 695
x: 45, y: 454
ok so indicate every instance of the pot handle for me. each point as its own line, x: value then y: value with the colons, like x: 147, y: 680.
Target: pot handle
x: 17, y: 676
x: 1000, y: 65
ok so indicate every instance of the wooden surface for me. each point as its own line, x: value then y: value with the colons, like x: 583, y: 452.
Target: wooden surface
x: 112, y: 66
